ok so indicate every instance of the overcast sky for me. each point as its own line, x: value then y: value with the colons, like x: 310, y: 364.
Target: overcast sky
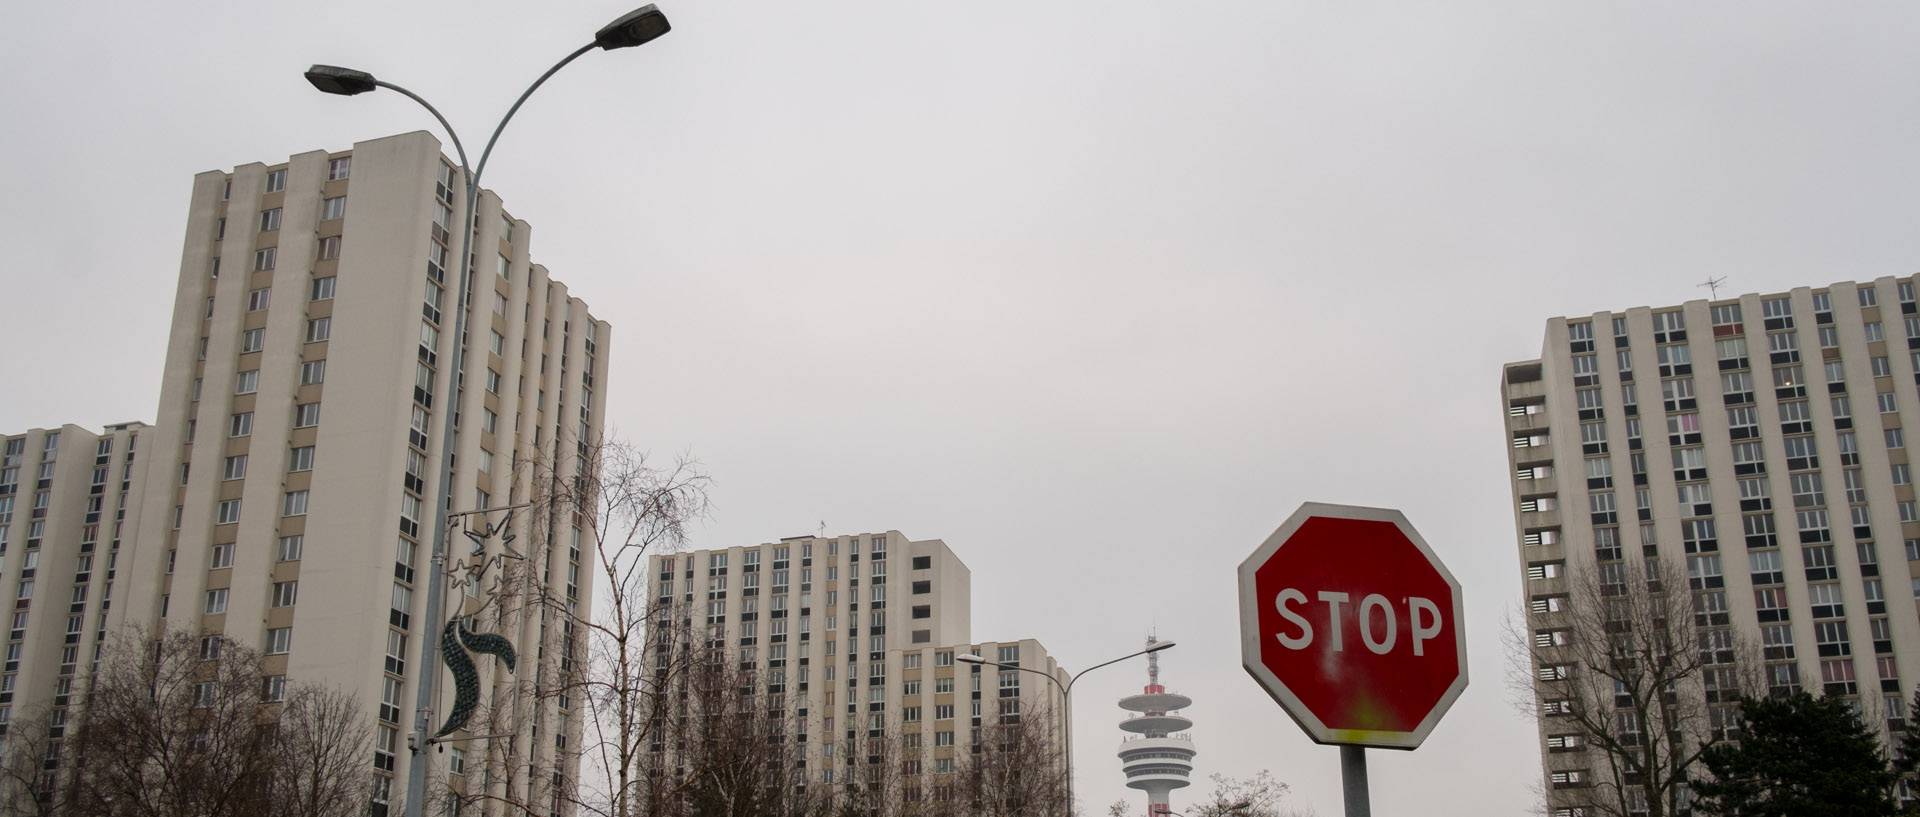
x: 1097, y: 293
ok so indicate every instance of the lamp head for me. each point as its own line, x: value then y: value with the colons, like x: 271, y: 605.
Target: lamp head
x: 1160, y: 645
x: 333, y: 79
x: 637, y: 27
x: 970, y: 659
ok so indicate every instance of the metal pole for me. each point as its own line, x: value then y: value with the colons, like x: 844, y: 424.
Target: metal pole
x: 430, y: 657
x: 1066, y: 702
x: 428, y: 680
x: 1353, y: 780
x: 1069, y: 696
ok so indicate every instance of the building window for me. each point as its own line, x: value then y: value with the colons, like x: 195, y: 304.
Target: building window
x: 306, y: 415
x: 1731, y: 351
x: 279, y: 640
x: 241, y: 424
x: 330, y: 248
x: 300, y: 459
x: 493, y: 382
x: 252, y: 340
x: 247, y: 382
x: 263, y: 259
x: 1888, y: 403
x: 258, y: 299
x: 1875, y: 331
x: 296, y: 504
x: 236, y: 467
x: 333, y: 208
x: 285, y: 593
x: 323, y: 289
x: 216, y: 602
x: 269, y: 220
x: 290, y: 547
x: 229, y: 512
x: 338, y: 169
x: 277, y: 181
x: 313, y: 372
x: 504, y: 268
x: 319, y: 329
x: 1808, y: 490
x: 496, y: 342
x: 222, y: 557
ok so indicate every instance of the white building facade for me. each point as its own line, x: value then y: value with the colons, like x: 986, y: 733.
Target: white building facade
x: 69, y: 501
x: 309, y: 372
x: 1756, y: 443
x: 856, y: 639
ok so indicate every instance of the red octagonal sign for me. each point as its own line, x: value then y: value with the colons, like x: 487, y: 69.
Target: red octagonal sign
x: 1353, y: 625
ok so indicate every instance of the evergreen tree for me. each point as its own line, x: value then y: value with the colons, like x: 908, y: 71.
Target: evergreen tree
x: 1909, y: 744
x: 1797, y: 756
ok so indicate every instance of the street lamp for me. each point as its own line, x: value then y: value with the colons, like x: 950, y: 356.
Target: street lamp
x: 1066, y: 695
x: 637, y: 27
x: 1241, y: 807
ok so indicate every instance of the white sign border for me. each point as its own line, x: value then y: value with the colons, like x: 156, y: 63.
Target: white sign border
x: 1250, y: 627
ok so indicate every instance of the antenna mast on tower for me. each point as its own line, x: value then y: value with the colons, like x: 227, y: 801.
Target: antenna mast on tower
x: 1713, y: 286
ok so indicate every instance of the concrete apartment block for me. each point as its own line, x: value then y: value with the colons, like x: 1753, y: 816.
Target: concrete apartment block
x: 1758, y: 445
x: 295, y: 449
x: 858, y: 634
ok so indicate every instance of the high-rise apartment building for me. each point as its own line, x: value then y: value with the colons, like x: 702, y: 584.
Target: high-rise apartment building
x: 853, y: 639
x: 69, y: 501
x: 292, y: 463
x: 1757, y: 447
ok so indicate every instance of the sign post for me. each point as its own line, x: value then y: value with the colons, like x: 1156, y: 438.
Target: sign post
x: 1356, y: 629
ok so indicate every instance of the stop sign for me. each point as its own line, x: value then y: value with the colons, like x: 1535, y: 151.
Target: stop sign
x: 1353, y: 625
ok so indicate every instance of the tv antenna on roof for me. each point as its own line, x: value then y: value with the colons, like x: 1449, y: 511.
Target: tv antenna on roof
x: 1713, y: 286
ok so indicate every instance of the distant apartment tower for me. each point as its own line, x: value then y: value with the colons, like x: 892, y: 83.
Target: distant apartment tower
x: 292, y: 464
x: 1758, y: 441
x: 69, y: 500
x: 855, y: 638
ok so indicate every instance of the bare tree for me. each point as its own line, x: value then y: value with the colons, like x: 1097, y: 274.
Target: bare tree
x: 630, y: 651
x: 1014, y: 765
x: 874, y: 781
x: 320, y: 751
x: 734, y: 749
x: 1256, y: 796
x: 585, y: 683
x: 29, y: 780
x: 188, y: 725
x: 1635, y: 670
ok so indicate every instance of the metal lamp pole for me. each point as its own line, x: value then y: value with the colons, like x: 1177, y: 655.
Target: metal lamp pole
x: 636, y: 27
x: 1066, y: 696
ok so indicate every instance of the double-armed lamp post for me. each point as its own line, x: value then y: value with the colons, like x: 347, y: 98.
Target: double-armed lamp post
x: 1066, y: 696
x: 637, y: 27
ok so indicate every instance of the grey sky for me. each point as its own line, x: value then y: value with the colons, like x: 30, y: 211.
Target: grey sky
x: 1097, y: 293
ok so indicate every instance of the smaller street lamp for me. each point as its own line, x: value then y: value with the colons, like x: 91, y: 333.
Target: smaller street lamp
x: 1241, y: 807
x: 1066, y: 694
